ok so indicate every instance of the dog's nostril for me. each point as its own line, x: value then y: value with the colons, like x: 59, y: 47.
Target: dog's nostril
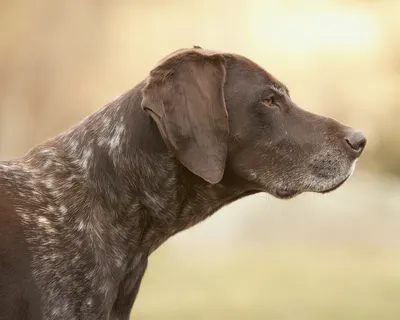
x: 356, y: 141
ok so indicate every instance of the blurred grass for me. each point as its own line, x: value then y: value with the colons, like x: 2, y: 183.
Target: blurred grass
x: 314, y: 257
x: 253, y: 282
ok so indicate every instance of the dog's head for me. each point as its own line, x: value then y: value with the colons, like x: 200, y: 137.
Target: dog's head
x: 215, y: 110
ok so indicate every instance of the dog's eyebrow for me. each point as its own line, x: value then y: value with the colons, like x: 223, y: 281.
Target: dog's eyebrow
x: 281, y: 90
x: 286, y: 90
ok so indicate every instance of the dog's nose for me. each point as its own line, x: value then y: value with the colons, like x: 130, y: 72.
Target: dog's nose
x: 357, y: 141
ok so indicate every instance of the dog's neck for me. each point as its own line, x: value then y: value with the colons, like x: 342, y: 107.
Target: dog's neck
x: 120, y: 178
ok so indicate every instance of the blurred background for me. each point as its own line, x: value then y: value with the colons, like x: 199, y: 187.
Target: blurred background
x: 333, y: 256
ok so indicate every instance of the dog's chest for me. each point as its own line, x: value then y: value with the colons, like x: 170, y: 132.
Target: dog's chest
x: 77, y: 269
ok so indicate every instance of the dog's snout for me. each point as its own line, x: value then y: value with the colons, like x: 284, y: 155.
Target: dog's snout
x: 356, y: 141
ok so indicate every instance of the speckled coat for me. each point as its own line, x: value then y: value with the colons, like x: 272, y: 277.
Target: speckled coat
x: 81, y: 212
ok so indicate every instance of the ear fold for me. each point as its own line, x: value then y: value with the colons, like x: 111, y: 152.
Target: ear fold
x: 184, y: 95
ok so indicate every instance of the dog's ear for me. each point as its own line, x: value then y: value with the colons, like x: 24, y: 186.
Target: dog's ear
x: 184, y: 94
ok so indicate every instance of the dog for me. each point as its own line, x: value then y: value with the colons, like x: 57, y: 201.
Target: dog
x: 81, y: 212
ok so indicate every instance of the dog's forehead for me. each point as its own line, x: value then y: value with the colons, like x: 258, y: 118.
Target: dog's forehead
x: 263, y: 74
x: 246, y: 62
x: 182, y: 51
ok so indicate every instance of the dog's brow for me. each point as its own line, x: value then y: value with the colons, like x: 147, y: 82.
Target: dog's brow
x: 280, y: 89
x: 286, y: 90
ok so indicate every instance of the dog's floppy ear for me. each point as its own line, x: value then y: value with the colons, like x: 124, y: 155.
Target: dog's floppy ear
x: 184, y: 95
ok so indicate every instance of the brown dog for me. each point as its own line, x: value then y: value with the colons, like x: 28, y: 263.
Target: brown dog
x: 80, y: 213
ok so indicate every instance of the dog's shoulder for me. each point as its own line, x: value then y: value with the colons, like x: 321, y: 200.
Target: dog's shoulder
x: 11, y: 231
x: 16, y: 284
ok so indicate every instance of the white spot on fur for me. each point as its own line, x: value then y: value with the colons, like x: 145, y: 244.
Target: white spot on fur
x: 54, y: 257
x: 49, y: 183
x: 4, y: 167
x: 73, y: 144
x: 25, y: 217
x: 253, y: 174
x: 81, y: 226
x: 46, y: 151
x: 102, y: 141
x: 116, y: 138
x: 87, y: 154
x: 106, y: 122
x: 45, y: 223
x: 47, y: 164
x: 73, y: 177
x: 63, y: 209
x: 280, y: 90
x: 119, y: 262
x: 56, y: 312
x: 89, y: 302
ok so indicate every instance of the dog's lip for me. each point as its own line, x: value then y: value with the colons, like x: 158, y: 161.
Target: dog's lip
x: 334, y: 187
x: 286, y: 193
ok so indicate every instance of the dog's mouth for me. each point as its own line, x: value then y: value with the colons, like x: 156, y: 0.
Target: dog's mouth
x: 350, y: 173
x: 285, y: 193
x: 334, y: 187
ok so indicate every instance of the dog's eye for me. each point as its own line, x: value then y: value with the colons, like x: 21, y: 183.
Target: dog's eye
x: 268, y: 101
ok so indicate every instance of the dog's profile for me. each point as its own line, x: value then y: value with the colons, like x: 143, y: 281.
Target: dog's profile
x: 81, y: 212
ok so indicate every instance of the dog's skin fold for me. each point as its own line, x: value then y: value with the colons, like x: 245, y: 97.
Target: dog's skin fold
x: 81, y: 212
